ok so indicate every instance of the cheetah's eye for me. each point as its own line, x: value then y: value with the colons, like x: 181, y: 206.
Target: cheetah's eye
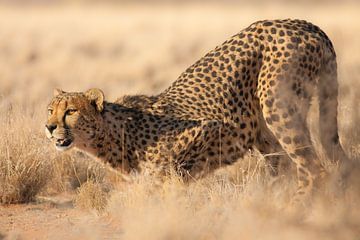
x: 71, y: 111
x: 50, y: 111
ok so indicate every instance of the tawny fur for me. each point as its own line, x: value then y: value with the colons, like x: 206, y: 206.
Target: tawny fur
x: 254, y: 90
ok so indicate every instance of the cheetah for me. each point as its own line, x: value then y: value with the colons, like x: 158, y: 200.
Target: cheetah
x: 252, y: 91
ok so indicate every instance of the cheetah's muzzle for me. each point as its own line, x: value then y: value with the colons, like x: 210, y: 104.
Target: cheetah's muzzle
x: 63, y: 144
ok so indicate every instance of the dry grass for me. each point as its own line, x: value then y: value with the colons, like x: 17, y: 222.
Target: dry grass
x: 222, y: 206
x: 91, y: 195
x: 25, y: 167
x: 142, y: 49
x: 216, y: 208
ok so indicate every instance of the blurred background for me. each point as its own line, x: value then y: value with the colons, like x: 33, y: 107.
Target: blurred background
x: 140, y: 47
x: 129, y: 47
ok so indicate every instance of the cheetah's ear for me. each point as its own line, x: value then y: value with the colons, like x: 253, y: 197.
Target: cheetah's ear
x: 58, y: 91
x: 96, y: 97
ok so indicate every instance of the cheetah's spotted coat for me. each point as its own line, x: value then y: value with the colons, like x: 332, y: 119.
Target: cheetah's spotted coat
x: 251, y: 91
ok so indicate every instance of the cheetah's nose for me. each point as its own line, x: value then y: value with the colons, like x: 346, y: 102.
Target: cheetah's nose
x: 51, y: 127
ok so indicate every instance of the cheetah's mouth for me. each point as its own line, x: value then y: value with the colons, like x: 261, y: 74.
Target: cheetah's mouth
x: 63, y: 144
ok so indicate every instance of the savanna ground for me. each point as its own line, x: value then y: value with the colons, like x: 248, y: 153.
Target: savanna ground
x: 129, y: 48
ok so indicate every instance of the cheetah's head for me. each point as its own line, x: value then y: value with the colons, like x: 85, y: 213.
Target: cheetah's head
x: 73, y: 117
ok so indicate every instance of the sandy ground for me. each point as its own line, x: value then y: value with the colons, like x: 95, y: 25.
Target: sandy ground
x: 55, y: 218
x: 37, y: 220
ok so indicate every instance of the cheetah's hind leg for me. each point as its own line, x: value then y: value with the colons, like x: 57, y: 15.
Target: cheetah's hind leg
x: 285, y: 114
x: 275, y: 157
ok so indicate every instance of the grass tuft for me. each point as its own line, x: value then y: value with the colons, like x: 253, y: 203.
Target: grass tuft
x: 25, y: 162
x: 91, y: 195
